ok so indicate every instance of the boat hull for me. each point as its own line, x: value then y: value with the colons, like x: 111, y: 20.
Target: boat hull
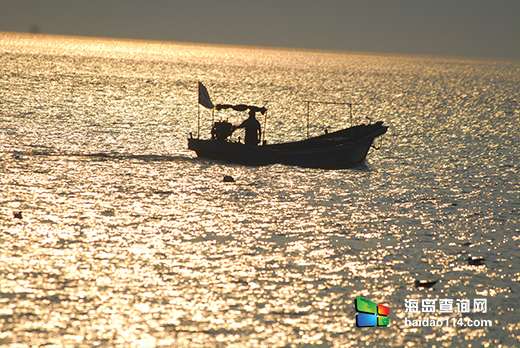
x: 337, y: 150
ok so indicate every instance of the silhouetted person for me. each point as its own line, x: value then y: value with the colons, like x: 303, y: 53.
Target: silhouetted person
x: 253, y: 129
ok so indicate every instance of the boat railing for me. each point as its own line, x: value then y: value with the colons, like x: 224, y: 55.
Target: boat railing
x: 309, y: 102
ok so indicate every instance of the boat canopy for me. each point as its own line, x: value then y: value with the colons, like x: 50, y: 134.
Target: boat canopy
x: 241, y: 107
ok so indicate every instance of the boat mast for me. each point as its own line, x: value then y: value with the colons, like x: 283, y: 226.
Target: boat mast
x: 351, y: 125
x: 198, y: 121
x: 308, y: 107
x: 265, y: 127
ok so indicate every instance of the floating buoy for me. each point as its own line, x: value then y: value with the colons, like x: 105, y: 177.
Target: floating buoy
x: 476, y: 261
x: 228, y: 178
x: 425, y: 283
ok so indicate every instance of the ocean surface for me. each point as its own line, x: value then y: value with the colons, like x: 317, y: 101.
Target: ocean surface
x: 127, y: 239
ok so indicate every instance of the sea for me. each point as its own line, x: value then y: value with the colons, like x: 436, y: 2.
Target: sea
x: 114, y: 234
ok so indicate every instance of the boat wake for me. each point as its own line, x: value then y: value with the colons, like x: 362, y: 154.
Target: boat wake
x: 101, y: 156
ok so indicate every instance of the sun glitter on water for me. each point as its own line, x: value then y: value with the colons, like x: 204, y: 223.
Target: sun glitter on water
x: 127, y: 239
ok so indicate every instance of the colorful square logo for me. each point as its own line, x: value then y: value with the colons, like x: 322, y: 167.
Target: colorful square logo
x: 371, y: 313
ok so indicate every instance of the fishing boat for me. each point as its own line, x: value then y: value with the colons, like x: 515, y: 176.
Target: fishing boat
x: 336, y: 150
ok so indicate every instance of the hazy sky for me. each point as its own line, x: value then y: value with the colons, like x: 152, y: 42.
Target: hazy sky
x: 488, y: 29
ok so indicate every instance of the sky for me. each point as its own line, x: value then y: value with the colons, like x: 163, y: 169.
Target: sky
x: 473, y: 28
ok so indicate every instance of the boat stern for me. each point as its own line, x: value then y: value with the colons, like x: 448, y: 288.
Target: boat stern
x: 193, y: 144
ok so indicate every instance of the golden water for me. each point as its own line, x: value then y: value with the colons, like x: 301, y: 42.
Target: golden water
x: 128, y: 239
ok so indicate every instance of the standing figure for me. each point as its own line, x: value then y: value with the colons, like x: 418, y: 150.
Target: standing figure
x: 253, y: 129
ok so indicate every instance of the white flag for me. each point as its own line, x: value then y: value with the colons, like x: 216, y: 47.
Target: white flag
x: 204, y: 97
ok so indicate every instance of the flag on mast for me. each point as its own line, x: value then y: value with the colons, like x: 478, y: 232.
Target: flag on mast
x: 204, y: 99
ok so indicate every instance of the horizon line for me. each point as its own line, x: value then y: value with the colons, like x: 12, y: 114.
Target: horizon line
x: 274, y: 48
